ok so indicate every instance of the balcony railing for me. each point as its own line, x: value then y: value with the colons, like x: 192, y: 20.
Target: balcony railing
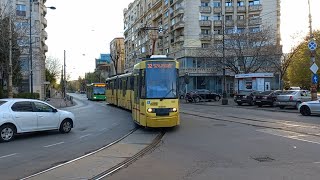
x: 255, y: 21
x: 216, y: 9
x: 178, y: 25
x: 45, y: 34
x: 217, y: 22
x: 229, y: 9
x: 241, y: 22
x: 44, y: 22
x: 45, y: 48
x: 218, y: 37
x: 205, y: 9
x: 255, y: 8
x: 229, y: 22
x: 205, y: 23
x: 241, y: 9
x: 205, y: 37
x: 179, y: 11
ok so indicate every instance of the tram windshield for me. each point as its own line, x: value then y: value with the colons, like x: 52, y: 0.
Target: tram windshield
x: 99, y: 91
x: 161, y: 80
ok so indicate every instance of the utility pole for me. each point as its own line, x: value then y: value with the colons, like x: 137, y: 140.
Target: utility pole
x: 314, y: 68
x: 30, y: 50
x: 224, y: 93
x: 10, y: 93
x: 64, y: 72
x: 154, y: 39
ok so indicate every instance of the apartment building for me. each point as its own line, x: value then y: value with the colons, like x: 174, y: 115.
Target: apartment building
x: 117, y: 54
x: 20, y: 11
x: 185, y: 29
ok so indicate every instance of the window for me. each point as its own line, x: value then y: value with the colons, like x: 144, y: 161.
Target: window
x: 240, y: 17
x: 204, y: 18
x: 228, y: 17
x: 216, y: 17
x: 254, y: 29
x: 205, y: 31
x: 228, y: 3
x: 40, y: 107
x: 166, y: 14
x: 254, y: 2
x: 22, y: 107
x: 205, y: 45
x: 204, y: 4
x: 216, y: 4
x: 2, y: 102
x: 217, y: 31
x: 21, y: 10
x: 240, y: 3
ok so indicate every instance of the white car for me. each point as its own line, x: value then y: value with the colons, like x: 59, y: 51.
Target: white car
x: 310, y: 107
x: 28, y: 115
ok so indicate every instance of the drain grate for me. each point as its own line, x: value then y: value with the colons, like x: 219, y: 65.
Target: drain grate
x: 263, y: 159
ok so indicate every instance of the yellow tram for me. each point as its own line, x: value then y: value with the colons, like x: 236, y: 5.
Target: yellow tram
x: 150, y: 92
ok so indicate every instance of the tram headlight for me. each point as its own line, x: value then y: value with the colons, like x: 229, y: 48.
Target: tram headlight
x: 94, y: 97
x: 149, y: 110
x: 174, y: 109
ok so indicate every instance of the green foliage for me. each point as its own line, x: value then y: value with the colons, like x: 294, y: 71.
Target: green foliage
x: 27, y: 95
x: 299, y: 73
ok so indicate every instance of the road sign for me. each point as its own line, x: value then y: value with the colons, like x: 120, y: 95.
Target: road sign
x: 314, y: 68
x: 315, y: 79
x: 312, y: 45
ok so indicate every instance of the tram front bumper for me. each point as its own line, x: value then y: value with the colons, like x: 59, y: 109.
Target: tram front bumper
x: 163, y: 121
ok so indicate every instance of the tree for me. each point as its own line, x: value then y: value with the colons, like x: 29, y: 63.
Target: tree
x: 52, y: 70
x: 299, y: 73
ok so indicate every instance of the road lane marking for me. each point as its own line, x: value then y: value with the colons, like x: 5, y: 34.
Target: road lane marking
x: 8, y: 155
x: 53, y: 144
x: 84, y: 136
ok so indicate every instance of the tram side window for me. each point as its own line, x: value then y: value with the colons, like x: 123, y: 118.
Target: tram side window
x: 136, y: 89
x: 124, y: 87
x: 143, y: 84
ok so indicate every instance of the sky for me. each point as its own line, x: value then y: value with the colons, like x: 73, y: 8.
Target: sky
x: 84, y: 29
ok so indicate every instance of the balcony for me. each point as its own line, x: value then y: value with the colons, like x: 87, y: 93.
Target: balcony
x: 241, y: 9
x: 217, y: 9
x: 205, y: 9
x: 156, y: 15
x: 241, y: 22
x: 229, y: 23
x: 217, y: 23
x: 205, y: 37
x: 44, y: 34
x: 255, y: 8
x: 205, y: 23
x: 44, y: 22
x: 178, y: 25
x: 218, y: 37
x: 45, y: 48
x: 179, y: 11
x: 44, y: 11
x: 229, y: 9
x: 156, y: 4
x: 180, y: 38
x: 255, y: 21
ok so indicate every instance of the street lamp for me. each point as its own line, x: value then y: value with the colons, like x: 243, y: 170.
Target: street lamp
x: 30, y: 44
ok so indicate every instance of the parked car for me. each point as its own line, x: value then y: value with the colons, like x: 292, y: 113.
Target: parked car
x: 245, y: 97
x: 29, y: 115
x: 293, y: 98
x: 310, y: 107
x: 267, y: 98
x: 202, y: 95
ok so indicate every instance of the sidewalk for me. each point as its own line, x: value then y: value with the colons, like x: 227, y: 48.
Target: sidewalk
x: 59, y: 102
x: 212, y: 103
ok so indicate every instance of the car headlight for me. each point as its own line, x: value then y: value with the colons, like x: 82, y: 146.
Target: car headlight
x: 94, y: 97
x: 174, y: 109
x: 149, y: 110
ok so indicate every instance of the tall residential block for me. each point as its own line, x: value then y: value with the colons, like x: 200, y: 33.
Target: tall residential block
x: 21, y: 14
x: 184, y: 28
x: 117, y: 54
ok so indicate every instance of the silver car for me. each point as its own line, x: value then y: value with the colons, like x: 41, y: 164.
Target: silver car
x: 293, y: 98
x: 311, y: 107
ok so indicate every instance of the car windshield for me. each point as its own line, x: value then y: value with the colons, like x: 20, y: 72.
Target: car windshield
x: 99, y: 90
x: 289, y: 92
x: 265, y: 93
x: 161, y: 80
x: 2, y: 102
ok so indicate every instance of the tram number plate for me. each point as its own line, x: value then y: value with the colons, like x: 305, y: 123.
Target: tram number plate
x: 162, y: 112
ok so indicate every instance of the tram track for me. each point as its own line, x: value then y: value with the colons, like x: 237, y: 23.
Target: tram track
x: 284, y: 125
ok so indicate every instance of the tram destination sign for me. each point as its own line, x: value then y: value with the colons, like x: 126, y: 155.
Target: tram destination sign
x: 160, y: 65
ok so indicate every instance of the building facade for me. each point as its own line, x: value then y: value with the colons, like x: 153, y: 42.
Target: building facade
x: 25, y: 12
x: 186, y: 29
x: 103, y: 67
x: 117, y: 55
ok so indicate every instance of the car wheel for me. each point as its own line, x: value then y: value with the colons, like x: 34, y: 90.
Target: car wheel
x: 239, y: 104
x: 305, y: 111
x: 217, y: 98
x: 196, y: 99
x: 7, y: 132
x: 281, y: 107
x: 65, y: 126
x: 259, y: 105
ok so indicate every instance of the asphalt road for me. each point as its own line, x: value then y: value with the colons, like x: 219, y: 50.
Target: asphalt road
x: 97, y: 125
x: 203, y: 148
